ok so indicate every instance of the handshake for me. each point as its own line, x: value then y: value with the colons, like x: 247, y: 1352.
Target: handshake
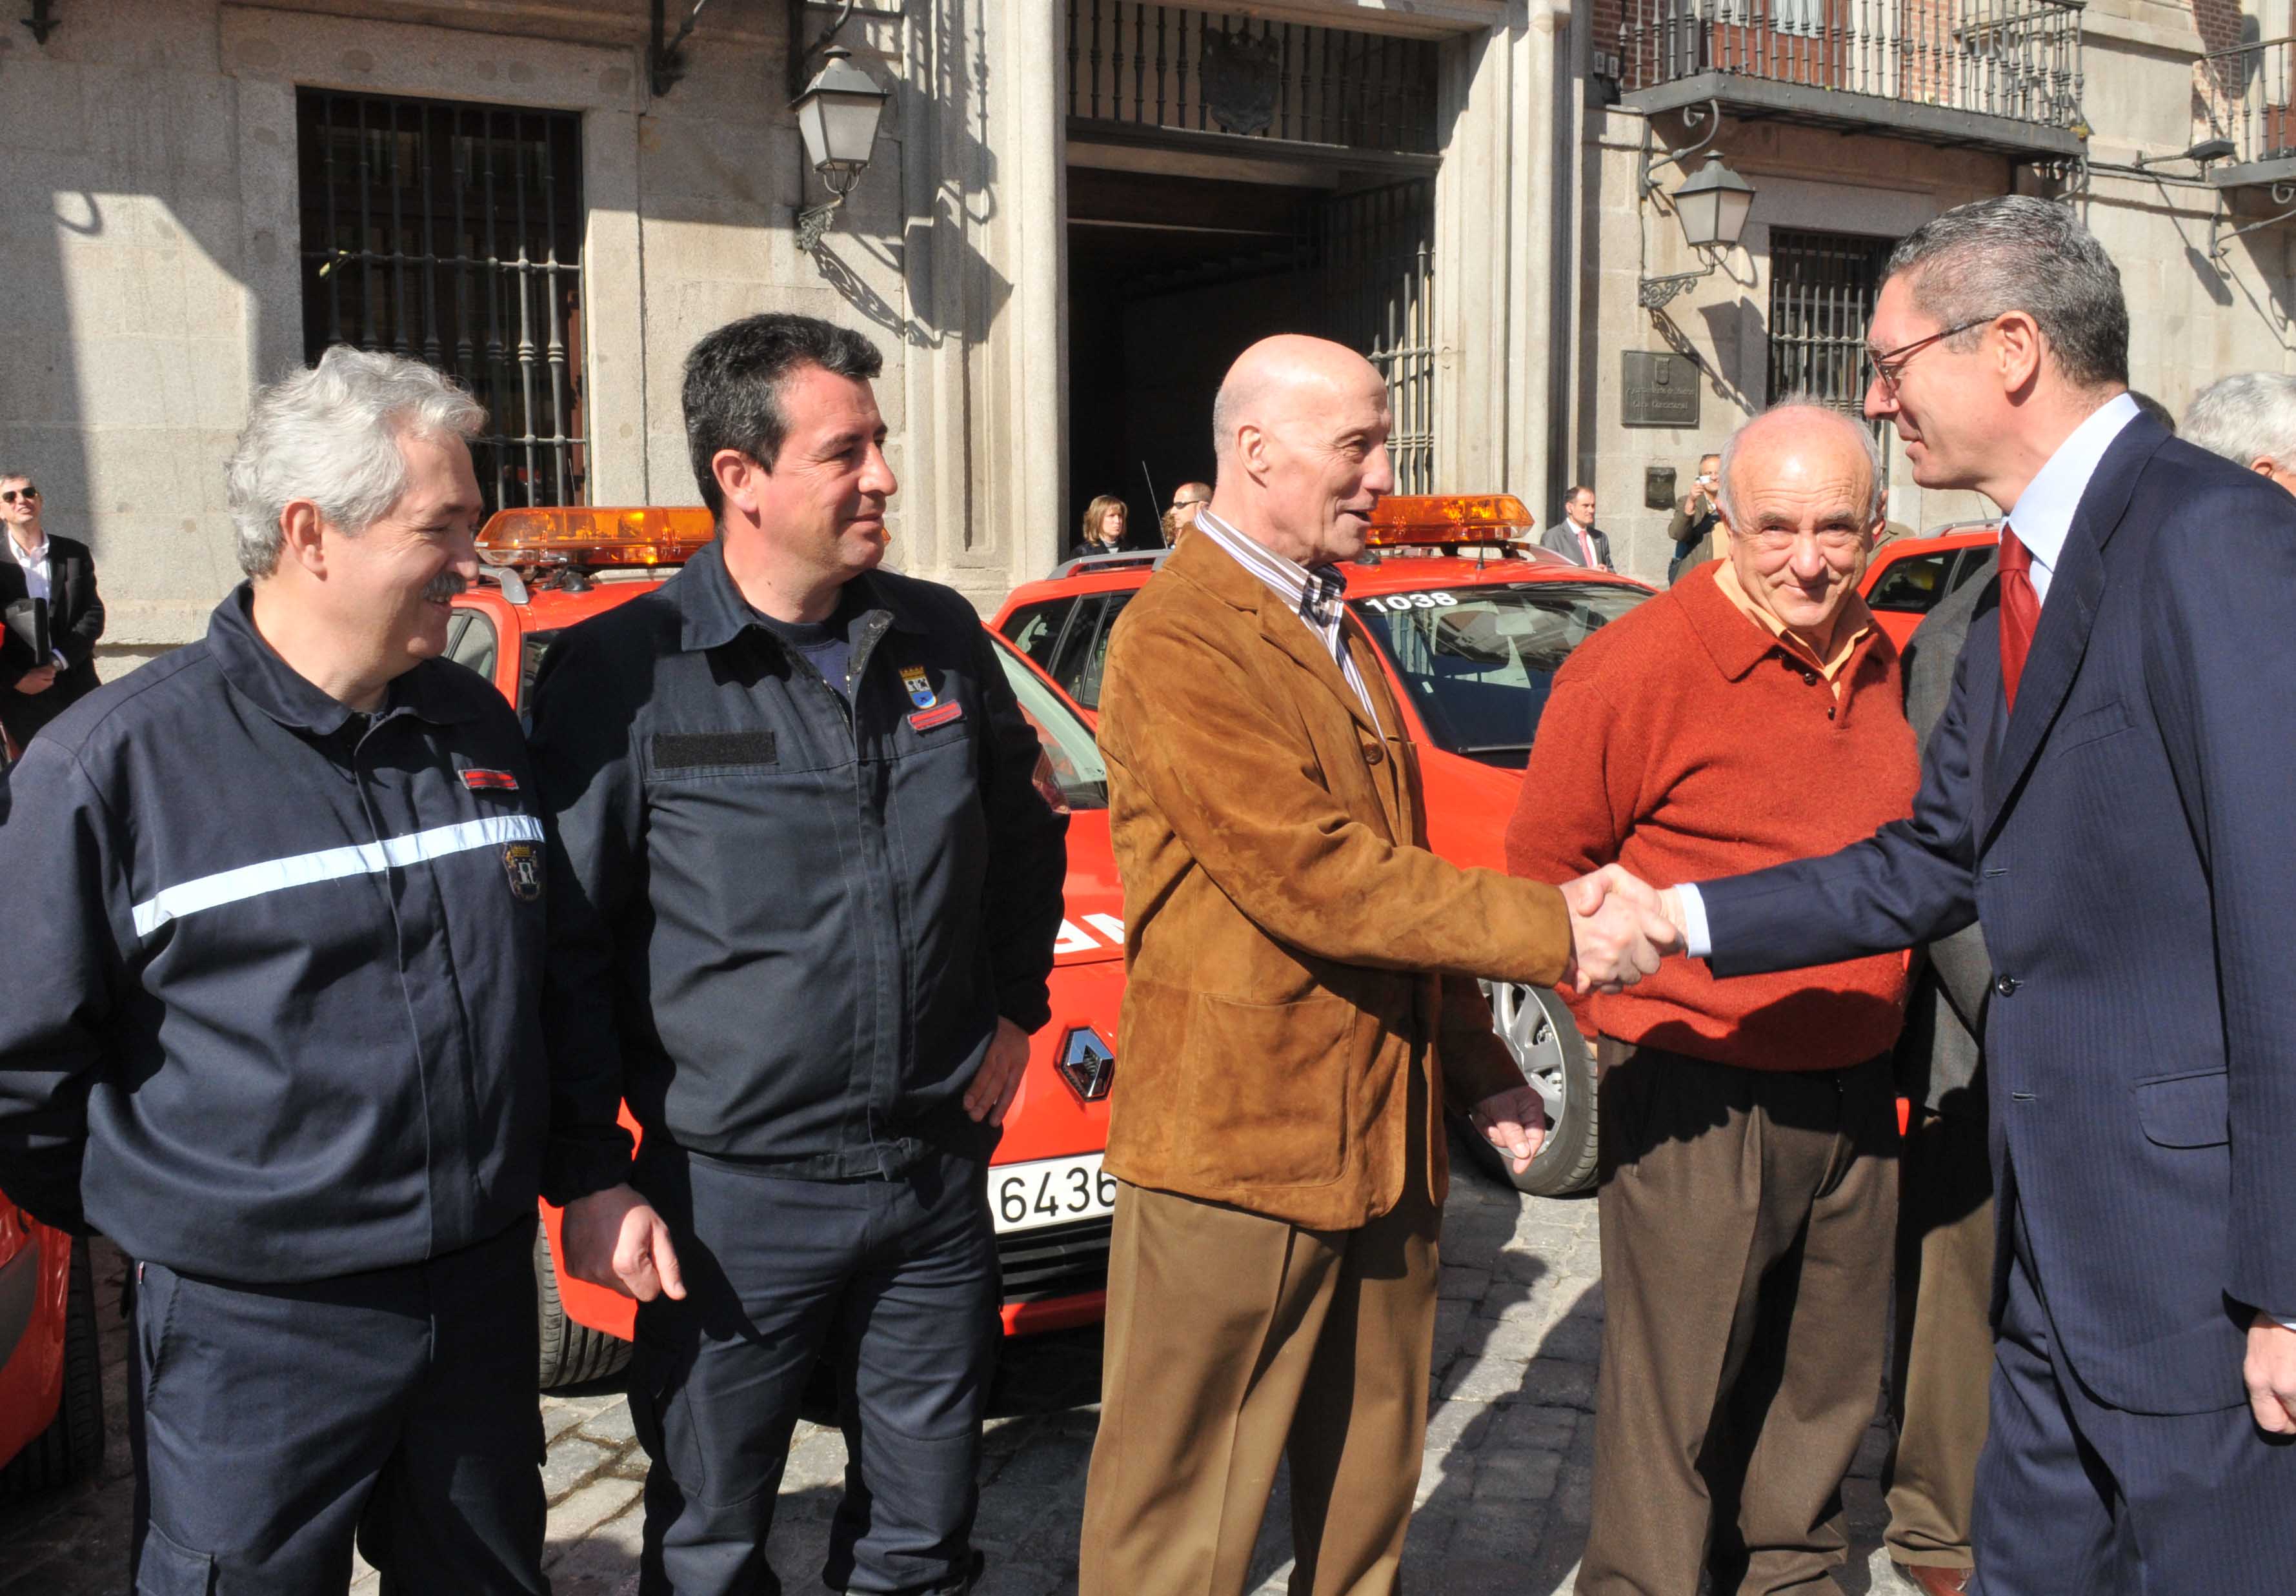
x: 1621, y: 927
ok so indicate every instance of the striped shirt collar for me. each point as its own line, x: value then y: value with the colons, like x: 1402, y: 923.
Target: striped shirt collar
x: 1312, y: 592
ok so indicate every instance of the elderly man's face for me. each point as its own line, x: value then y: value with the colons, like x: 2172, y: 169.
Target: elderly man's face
x: 396, y: 581
x: 824, y: 496
x: 1327, y: 466
x: 1804, y: 496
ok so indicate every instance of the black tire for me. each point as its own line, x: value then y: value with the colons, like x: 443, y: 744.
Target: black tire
x: 1547, y: 1044
x: 71, y: 1448
x: 572, y: 1352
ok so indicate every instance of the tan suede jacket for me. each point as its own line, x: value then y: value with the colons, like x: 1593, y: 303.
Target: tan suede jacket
x: 1294, y: 951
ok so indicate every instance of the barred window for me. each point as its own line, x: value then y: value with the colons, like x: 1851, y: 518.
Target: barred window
x: 452, y: 233
x: 1823, y: 286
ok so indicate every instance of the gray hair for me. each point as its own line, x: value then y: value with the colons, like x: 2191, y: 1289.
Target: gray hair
x: 2018, y: 253
x: 330, y: 434
x: 2248, y: 416
x: 1803, y: 402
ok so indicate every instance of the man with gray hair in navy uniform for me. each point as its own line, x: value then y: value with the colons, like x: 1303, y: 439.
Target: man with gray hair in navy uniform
x: 272, y: 1021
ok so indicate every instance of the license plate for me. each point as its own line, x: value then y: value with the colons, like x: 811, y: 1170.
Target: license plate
x: 1050, y: 1191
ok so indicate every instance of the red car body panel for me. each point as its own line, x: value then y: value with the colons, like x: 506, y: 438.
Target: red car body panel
x: 1898, y: 583
x: 1047, y: 1118
x: 35, y: 1275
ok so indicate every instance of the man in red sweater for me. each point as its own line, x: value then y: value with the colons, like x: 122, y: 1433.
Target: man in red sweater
x: 1747, y: 715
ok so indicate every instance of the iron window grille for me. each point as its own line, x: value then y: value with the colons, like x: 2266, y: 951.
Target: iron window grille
x: 452, y: 233
x: 1822, y: 290
x: 1168, y: 66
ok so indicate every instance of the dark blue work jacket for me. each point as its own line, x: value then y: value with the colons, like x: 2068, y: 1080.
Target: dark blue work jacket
x: 270, y: 1006
x: 819, y: 906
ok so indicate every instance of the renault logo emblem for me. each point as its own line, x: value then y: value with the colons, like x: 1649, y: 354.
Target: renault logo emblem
x: 1087, y: 1063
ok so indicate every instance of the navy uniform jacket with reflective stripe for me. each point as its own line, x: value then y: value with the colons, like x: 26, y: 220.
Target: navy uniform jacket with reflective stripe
x: 2125, y: 838
x: 817, y: 917
x: 270, y: 1005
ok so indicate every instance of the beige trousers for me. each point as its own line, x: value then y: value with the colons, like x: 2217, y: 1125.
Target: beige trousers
x: 1234, y: 1341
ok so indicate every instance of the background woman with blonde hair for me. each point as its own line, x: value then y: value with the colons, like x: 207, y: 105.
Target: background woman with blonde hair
x: 1106, y: 519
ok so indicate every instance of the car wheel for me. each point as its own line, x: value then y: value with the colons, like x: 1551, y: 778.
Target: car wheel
x: 1546, y: 1044
x: 71, y: 1448
x: 571, y: 1351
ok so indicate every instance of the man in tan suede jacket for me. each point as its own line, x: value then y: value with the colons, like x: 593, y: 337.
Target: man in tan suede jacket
x: 1300, y: 1003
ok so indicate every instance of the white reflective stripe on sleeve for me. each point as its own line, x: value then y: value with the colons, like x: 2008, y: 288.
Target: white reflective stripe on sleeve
x: 331, y: 864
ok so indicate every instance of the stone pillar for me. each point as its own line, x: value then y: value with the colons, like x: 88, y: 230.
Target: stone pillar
x: 1505, y: 205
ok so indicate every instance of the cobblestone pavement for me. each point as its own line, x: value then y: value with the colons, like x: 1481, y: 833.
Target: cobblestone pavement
x: 1503, y: 1498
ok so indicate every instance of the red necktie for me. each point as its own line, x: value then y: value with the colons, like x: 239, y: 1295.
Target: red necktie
x: 2020, y: 613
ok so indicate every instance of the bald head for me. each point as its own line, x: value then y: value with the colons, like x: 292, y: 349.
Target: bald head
x: 1301, y: 429
x: 1801, y: 496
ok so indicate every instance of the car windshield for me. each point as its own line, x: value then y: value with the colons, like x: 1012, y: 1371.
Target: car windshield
x: 1479, y: 661
x: 1071, y: 768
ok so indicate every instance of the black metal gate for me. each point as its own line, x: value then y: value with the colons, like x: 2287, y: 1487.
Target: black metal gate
x: 1822, y: 290
x: 453, y: 234
x: 1378, y: 296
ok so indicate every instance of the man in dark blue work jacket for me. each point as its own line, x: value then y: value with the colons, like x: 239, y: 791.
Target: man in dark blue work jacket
x: 798, y: 790
x: 270, y: 1020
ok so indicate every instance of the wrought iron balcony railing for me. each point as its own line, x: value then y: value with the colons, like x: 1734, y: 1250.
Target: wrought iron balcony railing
x: 1940, y: 70
x: 2249, y: 96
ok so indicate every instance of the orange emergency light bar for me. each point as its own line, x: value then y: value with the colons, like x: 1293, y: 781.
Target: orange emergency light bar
x: 1416, y: 518
x: 649, y: 536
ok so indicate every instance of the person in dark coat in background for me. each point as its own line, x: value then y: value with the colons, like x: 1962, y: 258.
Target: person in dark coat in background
x: 1943, y: 1344
x: 60, y: 573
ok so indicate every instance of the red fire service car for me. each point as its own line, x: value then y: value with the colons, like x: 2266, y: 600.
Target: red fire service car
x: 546, y: 570
x: 51, y: 1379
x: 1470, y: 621
x: 1908, y: 575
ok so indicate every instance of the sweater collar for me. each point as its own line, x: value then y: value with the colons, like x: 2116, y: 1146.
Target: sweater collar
x: 1735, y: 641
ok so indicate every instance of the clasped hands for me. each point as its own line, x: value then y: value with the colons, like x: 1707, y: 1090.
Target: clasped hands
x: 1621, y: 927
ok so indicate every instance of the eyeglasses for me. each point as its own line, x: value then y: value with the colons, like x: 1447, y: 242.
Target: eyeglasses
x: 11, y: 495
x: 1889, y: 368
x: 1777, y: 539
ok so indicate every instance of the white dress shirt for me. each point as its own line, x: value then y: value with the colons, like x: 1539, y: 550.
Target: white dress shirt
x: 1314, y: 595
x: 37, y: 582
x: 2043, y: 519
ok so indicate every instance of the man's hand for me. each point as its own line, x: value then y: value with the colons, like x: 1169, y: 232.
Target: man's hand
x: 2270, y: 1371
x: 998, y: 1079
x: 1620, y: 930
x: 1515, y: 1122
x: 38, y: 679
x: 614, y: 1238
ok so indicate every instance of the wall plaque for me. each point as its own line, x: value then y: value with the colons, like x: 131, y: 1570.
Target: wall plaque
x: 1661, y: 389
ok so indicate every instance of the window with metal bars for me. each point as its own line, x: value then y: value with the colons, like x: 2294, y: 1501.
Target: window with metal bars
x: 453, y: 234
x: 1822, y: 290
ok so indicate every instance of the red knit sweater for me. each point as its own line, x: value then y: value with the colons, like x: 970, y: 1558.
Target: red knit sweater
x: 1685, y: 742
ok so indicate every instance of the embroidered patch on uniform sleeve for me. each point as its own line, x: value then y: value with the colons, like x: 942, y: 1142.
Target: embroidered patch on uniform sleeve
x: 500, y: 781
x: 699, y: 750
x: 926, y: 719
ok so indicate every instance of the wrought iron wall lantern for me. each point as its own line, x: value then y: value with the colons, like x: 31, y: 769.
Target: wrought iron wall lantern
x: 837, y: 117
x: 1711, y: 205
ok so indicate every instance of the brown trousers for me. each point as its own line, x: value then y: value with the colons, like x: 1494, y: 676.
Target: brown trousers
x: 1942, y: 1362
x: 1234, y: 1341
x: 1747, y: 1218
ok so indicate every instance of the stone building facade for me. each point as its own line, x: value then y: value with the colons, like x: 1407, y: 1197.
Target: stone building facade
x: 1077, y: 210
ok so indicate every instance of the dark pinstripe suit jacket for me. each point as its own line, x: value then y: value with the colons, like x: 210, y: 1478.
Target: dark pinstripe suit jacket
x: 2128, y: 840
